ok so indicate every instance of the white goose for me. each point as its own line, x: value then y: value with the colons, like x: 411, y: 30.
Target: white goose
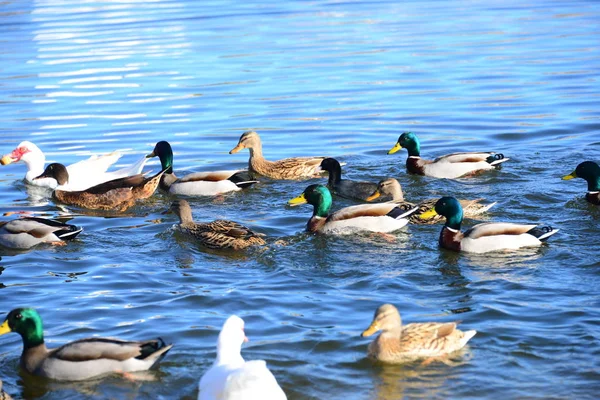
x: 232, y: 378
x: 82, y: 175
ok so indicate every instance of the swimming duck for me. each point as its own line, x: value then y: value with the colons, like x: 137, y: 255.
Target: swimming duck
x: 449, y: 166
x: 399, y: 343
x: 590, y: 171
x: 24, y: 233
x: 391, y: 187
x: 199, y: 183
x: 219, y: 234
x: 81, y: 359
x: 380, y: 217
x: 489, y: 236
x: 232, y: 378
x: 288, y: 168
x: 118, y: 194
x: 345, y: 187
x: 83, y: 174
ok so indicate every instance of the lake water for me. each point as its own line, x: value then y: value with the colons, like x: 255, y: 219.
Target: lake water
x: 313, y: 78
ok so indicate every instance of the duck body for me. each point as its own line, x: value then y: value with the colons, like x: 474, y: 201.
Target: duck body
x: 24, y: 233
x: 357, y: 190
x: 295, y: 168
x: 233, y: 378
x: 81, y: 359
x: 381, y: 217
x: 486, y: 237
x: 590, y: 172
x: 210, y: 183
x: 400, y: 343
x: 450, y: 166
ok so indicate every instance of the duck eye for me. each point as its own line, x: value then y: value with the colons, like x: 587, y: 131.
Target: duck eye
x: 18, y: 316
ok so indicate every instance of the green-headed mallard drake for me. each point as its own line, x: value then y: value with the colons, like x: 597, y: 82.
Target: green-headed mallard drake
x: 399, y: 343
x: 450, y: 166
x: 391, y: 187
x: 590, y: 171
x: 489, y: 236
x: 24, y: 233
x: 198, y: 183
x: 288, y: 168
x: 380, y: 217
x: 118, y: 194
x: 344, y: 187
x: 219, y: 234
x: 81, y: 359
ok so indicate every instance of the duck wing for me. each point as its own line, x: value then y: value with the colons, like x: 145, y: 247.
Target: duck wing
x: 496, y: 229
x: 392, y: 210
x: 252, y: 381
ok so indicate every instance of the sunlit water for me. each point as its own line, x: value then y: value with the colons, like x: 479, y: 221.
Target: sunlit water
x: 313, y: 78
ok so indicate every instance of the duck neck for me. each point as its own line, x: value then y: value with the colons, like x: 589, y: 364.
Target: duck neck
x: 392, y: 333
x: 413, y: 148
x: 593, y: 183
x: 185, y: 216
x: 35, y: 165
x: 227, y: 354
x: 397, y: 194
x: 455, y: 220
x: 321, y: 209
x: 167, y: 180
x: 335, y: 175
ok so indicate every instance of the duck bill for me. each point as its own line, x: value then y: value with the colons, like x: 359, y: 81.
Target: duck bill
x: 7, y: 159
x: 298, y: 200
x: 236, y: 149
x: 153, y: 154
x: 395, y: 148
x: 570, y: 176
x: 375, y: 195
x: 428, y: 214
x: 43, y: 175
x: 370, y: 330
x: 4, y: 328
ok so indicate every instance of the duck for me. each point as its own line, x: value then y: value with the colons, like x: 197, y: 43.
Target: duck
x: 391, y: 187
x: 118, y: 194
x: 397, y: 343
x: 380, y: 217
x: 27, y: 232
x: 198, y: 183
x: 485, y: 237
x: 590, y: 171
x: 232, y: 378
x: 83, y: 174
x: 296, y: 168
x: 219, y: 234
x: 81, y: 359
x: 450, y: 166
x: 357, y: 190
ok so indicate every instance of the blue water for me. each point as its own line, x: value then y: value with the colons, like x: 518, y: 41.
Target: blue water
x: 313, y: 78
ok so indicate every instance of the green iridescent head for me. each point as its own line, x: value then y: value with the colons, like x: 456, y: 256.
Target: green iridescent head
x: 317, y: 195
x: 448, y: 207
x: 408, y: 141
x: 588, y: 170
x: 27, y: 323
x: 165, y: 154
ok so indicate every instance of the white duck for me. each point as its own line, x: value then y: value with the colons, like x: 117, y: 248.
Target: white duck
x: 232, y: 378
x: 82, y: 175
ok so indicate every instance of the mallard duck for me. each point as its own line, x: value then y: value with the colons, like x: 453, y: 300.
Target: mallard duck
x: 24, y: 233
x: 230, y: 377
x: 82, y: 174
x: 345, y: 187
x: 118, y: 194
x: 81, y: 359
x: 391, y: 187
x: 399, y: 344
x: 449, y: 166
x: 198, y: 183
x: 590, y: 171
x: 489, y: 236
x: 288, y: 168
x: 381, y: 217
x: 219, y: 234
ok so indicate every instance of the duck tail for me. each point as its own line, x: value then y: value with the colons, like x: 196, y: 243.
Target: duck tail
x: 401, y: 212
x: 483, y: 208
x: 467, y: 336
x: 542, y: 232
x: 154, y: 350
x: 496, y: 159
x: 242, y: 179
x: 69, y: 232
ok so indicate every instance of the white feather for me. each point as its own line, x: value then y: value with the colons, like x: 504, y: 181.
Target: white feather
x: 382, y: 224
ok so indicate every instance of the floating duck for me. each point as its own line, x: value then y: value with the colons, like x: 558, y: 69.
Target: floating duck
x: 489, y: 236
x: 345, y: 187
x: 288, y: 168
x: 198, y: 183
x: 118, y: 194
x: 590, y: 171
x: 81, y: 359
x: 232, y: 378
x: 380, y: 217
x: 83, y: 174
x: 450, y: 166
x: 399, y: 343
x: 391, y: 187
x: 219, y: 234
x: 24, y: 233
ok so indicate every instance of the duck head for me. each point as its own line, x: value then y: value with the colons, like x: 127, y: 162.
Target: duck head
x: 588, y: 170
x: 386, y: 319
x: 448, y: 207
x: 248, y: 140
x: 27, y: 323
x: 316, y: 195
x: 408, y: 141
x: 388, y: 187
x: 56, y: 171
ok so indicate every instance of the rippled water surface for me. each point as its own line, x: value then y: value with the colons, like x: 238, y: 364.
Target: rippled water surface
x: 313, y: 78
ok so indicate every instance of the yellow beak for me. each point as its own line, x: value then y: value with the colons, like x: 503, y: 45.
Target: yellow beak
x: 374, y: 327
x: 4, y: 328
x: 570, y: 176
x: 375, y: 195
x: 428, y: 214
x: 7, y: 159
x: 151, y: 155
x: 298, y: 200
x: 395, y: 148
x: 236, y: 148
